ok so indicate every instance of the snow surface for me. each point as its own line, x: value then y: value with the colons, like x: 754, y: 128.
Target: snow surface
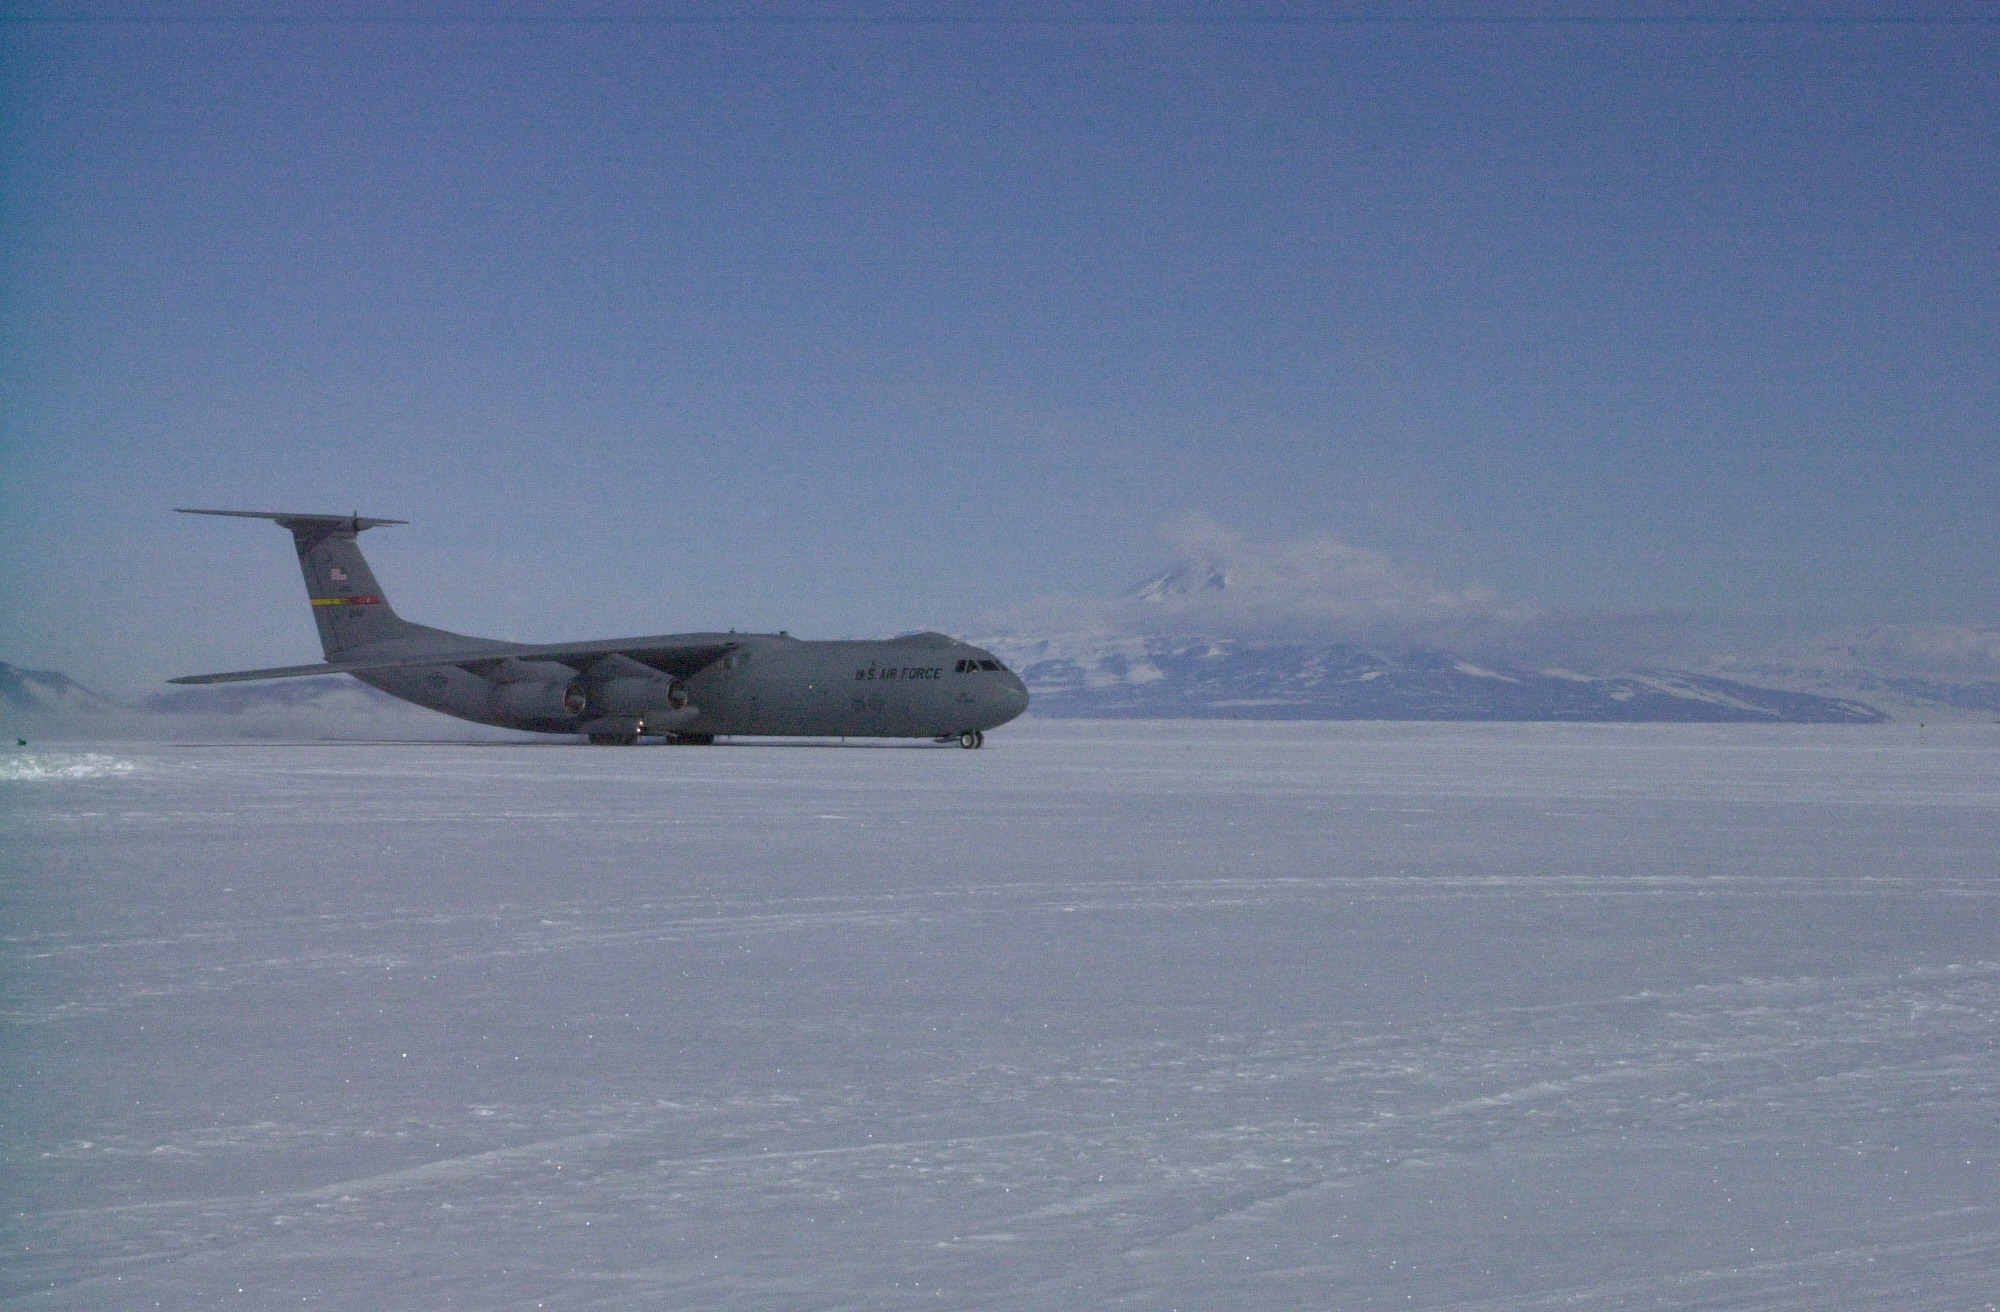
x: 1194, y: 1015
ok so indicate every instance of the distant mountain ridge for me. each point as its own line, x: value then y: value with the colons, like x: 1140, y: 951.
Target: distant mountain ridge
x: 1130, y: 676
x: 50, y: 692
x: 1185, y: 578
x: 1318, y: 629
x: 1913, y: 670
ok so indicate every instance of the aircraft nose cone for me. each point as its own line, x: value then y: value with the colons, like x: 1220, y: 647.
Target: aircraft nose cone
x: 1014, y: 697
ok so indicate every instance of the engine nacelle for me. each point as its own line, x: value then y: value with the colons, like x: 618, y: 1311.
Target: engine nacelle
x: 539, y: 700
x: 638, y: 696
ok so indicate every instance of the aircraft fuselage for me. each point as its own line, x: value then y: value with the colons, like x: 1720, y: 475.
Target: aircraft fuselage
x: 923, y: 686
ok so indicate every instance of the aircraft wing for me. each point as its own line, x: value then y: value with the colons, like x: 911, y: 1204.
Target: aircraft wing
x: 275, y: 672
x: 678, y: 657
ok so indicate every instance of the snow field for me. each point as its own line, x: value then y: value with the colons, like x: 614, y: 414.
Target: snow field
x: 1173, y: 1015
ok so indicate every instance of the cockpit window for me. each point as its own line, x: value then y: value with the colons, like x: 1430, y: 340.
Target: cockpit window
x: 989, y: 665
x: 974, y: 666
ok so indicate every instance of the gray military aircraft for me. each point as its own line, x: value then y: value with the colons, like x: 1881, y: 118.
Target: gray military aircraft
x: 683, y: 687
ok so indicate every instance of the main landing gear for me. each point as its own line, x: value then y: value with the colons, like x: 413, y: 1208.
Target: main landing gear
x: 972, y: 740
x: 631, y: 739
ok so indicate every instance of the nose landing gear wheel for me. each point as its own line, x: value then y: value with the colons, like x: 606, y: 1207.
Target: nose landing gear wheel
x: 971, y: 740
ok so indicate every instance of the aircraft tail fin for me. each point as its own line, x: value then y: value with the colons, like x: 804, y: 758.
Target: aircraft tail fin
x: 347, y: 602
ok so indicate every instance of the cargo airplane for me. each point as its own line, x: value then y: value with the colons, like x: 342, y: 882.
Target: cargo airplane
x: 682, y: 687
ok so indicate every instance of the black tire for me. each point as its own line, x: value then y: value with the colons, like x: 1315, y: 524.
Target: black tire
x: 978, y: 739
x: 969, y: 739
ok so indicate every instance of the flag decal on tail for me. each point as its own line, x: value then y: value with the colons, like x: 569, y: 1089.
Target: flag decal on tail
x: 346, y: 601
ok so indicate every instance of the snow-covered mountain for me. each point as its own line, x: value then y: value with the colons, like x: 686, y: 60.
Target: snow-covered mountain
x: 1187, y: 578
x: 48, y: 692
x: 1321, y: 630
x: 1124, y: 675
x: 1923, y: 671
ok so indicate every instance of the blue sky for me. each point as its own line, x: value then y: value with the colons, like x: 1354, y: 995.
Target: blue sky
x: 850, y: 327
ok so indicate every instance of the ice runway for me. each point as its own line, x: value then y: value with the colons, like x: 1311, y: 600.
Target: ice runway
x: 1194, y: 1016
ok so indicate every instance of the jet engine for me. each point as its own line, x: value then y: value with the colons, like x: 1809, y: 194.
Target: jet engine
x: 539, y: 700
x: 630, y: 696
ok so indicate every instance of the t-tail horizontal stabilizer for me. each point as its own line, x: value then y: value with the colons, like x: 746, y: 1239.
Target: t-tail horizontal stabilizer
x: 333, y: 523
x: 348, y: 606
